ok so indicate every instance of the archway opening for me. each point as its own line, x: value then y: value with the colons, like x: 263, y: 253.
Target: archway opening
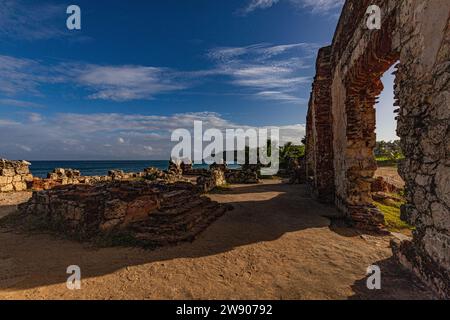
x: 388, y: 186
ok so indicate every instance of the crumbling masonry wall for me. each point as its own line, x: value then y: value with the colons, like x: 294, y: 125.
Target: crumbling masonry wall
x: 145, y: 213
x: 14, y: 175
x: 416, y: 34
x: 320, y: 167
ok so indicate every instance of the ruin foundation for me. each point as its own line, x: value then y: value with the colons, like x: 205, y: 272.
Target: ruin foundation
x: 149, y: 214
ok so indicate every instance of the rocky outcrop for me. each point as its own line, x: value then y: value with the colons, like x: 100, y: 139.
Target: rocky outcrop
x: 14, y: 175
x: 150, y: 214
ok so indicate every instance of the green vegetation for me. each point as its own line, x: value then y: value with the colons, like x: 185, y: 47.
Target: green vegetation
x: 388, y: 153
x: 290, y: 152
x: 390, y: 207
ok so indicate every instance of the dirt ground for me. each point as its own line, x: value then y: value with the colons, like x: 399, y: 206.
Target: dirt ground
x: 275, y: 244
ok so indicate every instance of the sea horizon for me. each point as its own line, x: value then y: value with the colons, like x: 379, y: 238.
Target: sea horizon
x: 40, y: 168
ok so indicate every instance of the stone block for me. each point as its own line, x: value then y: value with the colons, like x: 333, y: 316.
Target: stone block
x: 7, y: 188
x: 115, y: 209
x: 20, y: 186
x: 141, y: 208
x: 22, y: 170
x: 7, y: 172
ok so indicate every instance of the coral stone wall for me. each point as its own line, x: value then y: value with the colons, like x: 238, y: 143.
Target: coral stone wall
x: 321, y: 170
x: 148, y: 213
x: 417, y: 34
x: 14, y: 175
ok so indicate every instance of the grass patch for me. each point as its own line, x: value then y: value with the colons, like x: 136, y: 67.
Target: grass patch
x: 391, y: 210
x: 388, y: 162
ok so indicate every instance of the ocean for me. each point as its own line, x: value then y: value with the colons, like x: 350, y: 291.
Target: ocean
x: 99, y: 168
x: 94, y: 168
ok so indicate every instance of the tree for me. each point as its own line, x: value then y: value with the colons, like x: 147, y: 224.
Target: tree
x: 290, y: 152
x: 390, y: 150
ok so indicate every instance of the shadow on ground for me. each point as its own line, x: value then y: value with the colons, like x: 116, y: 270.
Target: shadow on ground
x: 262, y: 213
x: 396, y: 283
x: 275, y: 244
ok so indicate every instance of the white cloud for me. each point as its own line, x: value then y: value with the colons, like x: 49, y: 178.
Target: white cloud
x: 99, y: 136
x: 19, y: 103
x: 257, y: 4
x: 257, y: 68
x: 270, y: 72
x: 314, y: 6
x: 8, y: 123
x: 319, y: 6
x: 35, y: 117
x: 121, y: 83
x: 24, y: 148
x: 281, y: 96
x: 115, y: 83
x: 18, y: 75
x: 28, y: 21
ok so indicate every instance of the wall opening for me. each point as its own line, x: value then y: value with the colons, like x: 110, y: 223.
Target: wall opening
x: 388, y: 186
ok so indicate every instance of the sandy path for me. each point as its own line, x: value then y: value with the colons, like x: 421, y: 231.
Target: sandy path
x: 274, y: 245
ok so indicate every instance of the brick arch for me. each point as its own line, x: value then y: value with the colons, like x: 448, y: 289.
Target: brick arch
x: 363, y: 86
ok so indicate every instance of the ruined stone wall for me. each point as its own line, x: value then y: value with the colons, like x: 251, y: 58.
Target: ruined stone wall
x: 150, y: 214
x: 321, y: 174
x: 416, y: 33
x: 243, y: 176
x: 310, y: 144
x: 14, y: 175
x: 423, y: 93
x: 213, y: 179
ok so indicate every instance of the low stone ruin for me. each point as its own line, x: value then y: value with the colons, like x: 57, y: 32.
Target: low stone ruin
x: 219, y: 175
x: 215, y: 178
x: 149, y: 214
x: 381, y: 185
x: 62, y: 177
x: 14, y: 175
x: 60, y: 173
x: 247, y: 175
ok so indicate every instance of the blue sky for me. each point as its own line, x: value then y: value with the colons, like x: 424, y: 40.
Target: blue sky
x: 139, y: 69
